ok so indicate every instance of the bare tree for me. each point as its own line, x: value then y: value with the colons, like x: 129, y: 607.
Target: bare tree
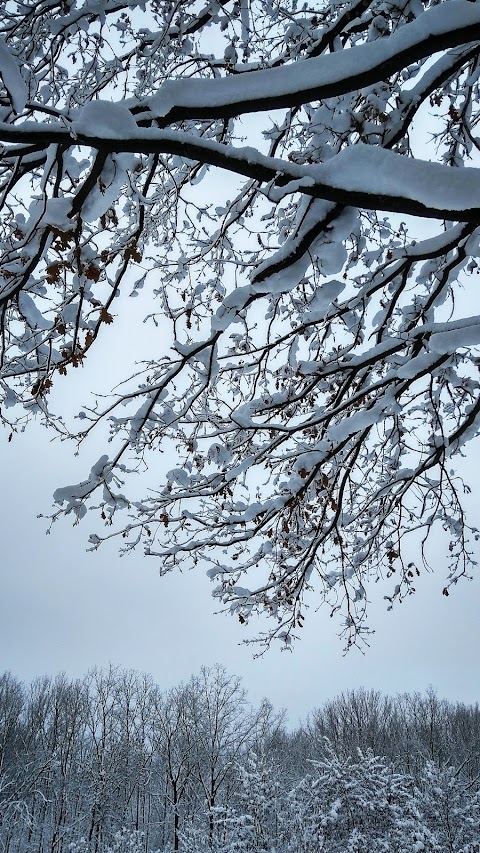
x: 14, y: 786
x: 318, y: 370
x: 175, y: 748
x: 223, y: 727
x: 359, y: 719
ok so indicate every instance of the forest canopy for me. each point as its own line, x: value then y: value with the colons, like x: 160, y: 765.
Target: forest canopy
x: 112, y: 763
x: 292, y: 191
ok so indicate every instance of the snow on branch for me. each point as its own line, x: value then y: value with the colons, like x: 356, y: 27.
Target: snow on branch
x: 439, y: 28
x: 359, y: 176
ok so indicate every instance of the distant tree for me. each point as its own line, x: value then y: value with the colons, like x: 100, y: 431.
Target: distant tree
x: 119, y: 755
x: 358, y: 719
x: 175, y: 746
x: 222, y: 727
x: 315, y: 370
x: 15, y: 786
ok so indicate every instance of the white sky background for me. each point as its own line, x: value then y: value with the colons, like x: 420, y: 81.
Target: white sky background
x: 63, y: 609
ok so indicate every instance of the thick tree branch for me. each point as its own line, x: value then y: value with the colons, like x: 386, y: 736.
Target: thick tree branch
x: 445, y: 26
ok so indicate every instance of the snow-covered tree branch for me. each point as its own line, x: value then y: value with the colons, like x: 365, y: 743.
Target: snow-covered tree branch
x: 294, y: 193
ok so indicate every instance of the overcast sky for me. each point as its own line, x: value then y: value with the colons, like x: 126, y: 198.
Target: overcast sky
x: 62, y: 608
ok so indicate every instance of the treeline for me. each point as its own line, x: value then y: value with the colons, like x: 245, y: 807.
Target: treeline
x: 113, y: 764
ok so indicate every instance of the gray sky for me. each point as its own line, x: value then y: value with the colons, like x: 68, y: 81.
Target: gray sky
x: 64, y: 609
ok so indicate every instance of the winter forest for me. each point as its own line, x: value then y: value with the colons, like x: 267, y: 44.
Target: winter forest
x: 111, y: 763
